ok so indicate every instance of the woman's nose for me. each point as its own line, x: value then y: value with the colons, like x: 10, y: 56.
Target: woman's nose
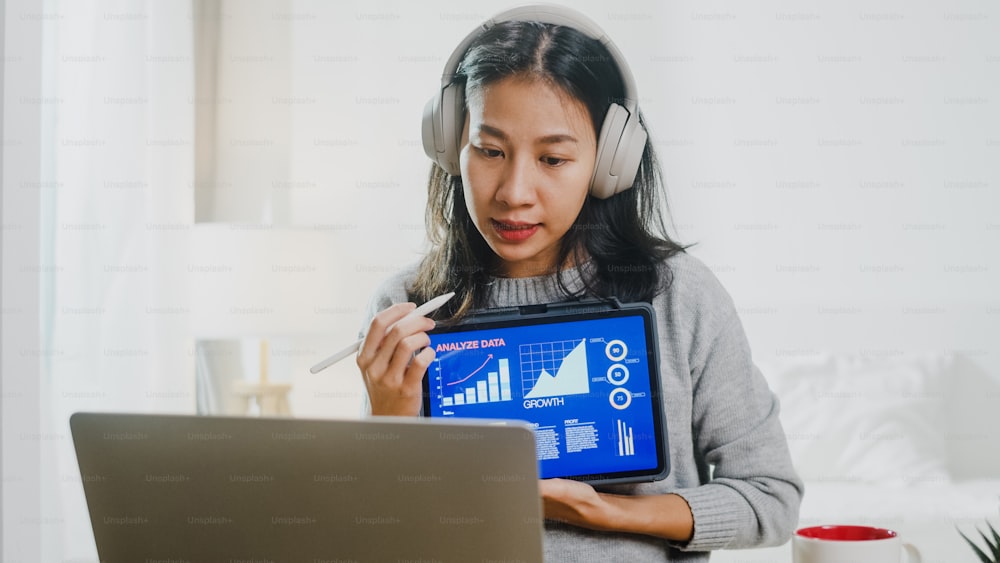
x: 517, y: 185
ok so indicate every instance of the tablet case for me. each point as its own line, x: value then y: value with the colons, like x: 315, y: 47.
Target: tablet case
x: 584, y: 374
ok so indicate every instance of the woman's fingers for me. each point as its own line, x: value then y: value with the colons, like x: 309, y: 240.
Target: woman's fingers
x: 403, y: 354
x: 377, y: 330
x: 415, y: 371
x: 379, y: 346
x: 390, y: 362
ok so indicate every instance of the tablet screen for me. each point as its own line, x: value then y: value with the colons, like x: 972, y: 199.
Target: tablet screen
x: 587, y: 382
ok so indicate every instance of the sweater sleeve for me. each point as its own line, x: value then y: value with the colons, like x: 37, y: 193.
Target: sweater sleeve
x: 752, y: 495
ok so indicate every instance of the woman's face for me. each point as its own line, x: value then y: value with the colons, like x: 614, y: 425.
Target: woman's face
x: 528, y: 152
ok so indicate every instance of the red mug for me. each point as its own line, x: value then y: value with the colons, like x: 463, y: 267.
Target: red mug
x: 850, y: 544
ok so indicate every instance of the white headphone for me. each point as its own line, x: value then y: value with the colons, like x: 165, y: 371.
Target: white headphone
x: 620, y: 143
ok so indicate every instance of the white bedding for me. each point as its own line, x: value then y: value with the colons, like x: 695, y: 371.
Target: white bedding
x: 925, y: 515
x: 948, y: 503
x: 879, y: 442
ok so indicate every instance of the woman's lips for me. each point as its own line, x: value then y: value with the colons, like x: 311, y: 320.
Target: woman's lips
x: 514, y: 232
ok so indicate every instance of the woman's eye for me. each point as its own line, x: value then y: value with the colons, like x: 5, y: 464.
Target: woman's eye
x: 553, y: 161
x: 490, y: 153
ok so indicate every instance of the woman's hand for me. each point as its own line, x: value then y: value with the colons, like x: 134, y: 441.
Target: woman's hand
x: 575, y: 503
x: 392, y: 374
x: 665, y: 516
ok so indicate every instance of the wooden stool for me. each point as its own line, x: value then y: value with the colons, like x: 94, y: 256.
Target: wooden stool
x: 271, y: 398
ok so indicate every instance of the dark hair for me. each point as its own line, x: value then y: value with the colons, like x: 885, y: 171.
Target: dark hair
x: 624, y: 235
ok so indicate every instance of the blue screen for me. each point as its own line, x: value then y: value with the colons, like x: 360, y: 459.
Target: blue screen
x: 583, y: 385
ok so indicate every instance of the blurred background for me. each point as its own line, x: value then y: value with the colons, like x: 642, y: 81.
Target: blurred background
x: 200, y: 197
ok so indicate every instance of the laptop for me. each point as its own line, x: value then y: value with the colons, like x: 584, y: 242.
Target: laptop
x: 264, y: 490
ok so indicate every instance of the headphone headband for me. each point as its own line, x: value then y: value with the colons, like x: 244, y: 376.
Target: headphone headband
x: 555, y: 15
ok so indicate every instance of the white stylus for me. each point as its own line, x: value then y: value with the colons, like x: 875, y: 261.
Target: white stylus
x: 421, y: 311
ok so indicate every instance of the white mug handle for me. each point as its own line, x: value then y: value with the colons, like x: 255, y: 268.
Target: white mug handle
x: 912, y: 554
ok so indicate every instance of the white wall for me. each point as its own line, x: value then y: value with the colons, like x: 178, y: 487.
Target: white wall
x: 22, y: 351
x: 836, y: 164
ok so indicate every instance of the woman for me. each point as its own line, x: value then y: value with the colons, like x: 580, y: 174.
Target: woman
x: 523, y: 218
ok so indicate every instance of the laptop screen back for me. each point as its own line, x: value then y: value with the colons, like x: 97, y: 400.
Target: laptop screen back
x: 184, y: 488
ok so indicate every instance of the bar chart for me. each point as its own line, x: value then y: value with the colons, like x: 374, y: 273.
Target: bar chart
x: 626, y: 444
x: 482, y: 385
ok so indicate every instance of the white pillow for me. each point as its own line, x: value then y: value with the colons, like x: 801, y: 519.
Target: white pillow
x: 856, y: 419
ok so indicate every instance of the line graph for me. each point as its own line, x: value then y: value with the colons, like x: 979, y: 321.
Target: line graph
x: 550, y: 369
x: 474, y: 372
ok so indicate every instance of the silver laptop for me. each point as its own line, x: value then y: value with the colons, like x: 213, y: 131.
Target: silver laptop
x: 224, y: 489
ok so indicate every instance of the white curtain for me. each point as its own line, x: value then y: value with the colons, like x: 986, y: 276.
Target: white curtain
x: 118, y: 150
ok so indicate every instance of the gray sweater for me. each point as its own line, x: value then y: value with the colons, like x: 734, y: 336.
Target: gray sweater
x: 728, y: 455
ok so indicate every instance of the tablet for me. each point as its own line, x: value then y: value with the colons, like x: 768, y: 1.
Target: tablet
x: 585, y: 375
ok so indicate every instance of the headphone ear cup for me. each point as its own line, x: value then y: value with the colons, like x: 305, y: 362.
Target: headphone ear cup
x: 452, y: 110
x: 441, y: 131
x: 628, y: 157
x: 430, y: 126
x: 603, y: 183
